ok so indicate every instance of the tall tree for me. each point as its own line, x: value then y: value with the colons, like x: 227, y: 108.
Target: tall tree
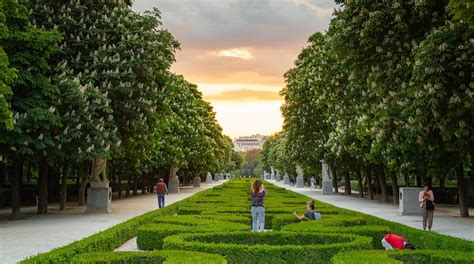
x: 35, y: 97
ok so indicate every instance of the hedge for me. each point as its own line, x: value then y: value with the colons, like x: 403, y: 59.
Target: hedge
x: 269, y: 247
x: 151, y: 236
x: 405, y: 256
x: 162, y: 256
x: 198, y: 223
x: 108, y: 239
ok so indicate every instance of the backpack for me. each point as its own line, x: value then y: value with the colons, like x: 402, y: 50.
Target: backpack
x: 429, y: 205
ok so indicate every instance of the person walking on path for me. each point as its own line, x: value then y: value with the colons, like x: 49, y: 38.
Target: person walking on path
x: 426, y: 199
x: 310, y: 214
x: 257, y: 195
x: 392, y: 241
x: 161, y: 191
x: 312, y: 182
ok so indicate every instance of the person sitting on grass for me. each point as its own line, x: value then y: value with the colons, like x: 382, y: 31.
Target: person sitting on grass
x: 310, y: 214
x: 392, y: 241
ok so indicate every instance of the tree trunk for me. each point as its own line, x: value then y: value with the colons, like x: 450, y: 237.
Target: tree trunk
x: 135, y: 184
x: 43, y: 187
x: 420, y: 174
x: 370, y: 189
x: 53, y: 183
x: 383, y: 184
x: 78, y: 179
x: 462, y: 192
x: 144, y: 181
x: 428, y: 180
x: 65, y: 175
x: 359, y: 183
x: 334, y: 178
x: 407, y: 179
x: 82, y: 172
x: 394, y: 187
x: 119, y: 185
x: 347, y: 180
x: 28, y: 172
x: 127, y: 189
x: 378, y: 190
x: 442, y: 182
x: 15, y: 182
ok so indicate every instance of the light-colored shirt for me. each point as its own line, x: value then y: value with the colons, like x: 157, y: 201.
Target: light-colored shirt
x: 429, y: 194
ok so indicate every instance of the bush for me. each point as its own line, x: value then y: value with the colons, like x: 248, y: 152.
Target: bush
x: 422, y: 239
x: 376, y: 233
x: 404, y: 256
x: 269, y: 247
x: 162, y: 256
x: 151, y: 236
x: 280, y: 221
x: 227, y: 209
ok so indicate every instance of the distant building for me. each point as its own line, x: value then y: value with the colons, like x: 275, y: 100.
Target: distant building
x: 248, y: 143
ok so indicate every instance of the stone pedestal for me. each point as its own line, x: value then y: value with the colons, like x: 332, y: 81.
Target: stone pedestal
x: 173, y: 185
x: 209, y: 178
x: 326, y: 187
x: 99, y: 198
x: 409, y: 204
x: 299, y: 182
x: 197, y: 181
x: 286, y: 179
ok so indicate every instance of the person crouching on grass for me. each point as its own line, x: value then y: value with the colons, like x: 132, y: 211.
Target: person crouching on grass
x: 391, y: 241
x: 310, y: 214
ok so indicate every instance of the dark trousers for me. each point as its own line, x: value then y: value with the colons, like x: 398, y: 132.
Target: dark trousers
x: 161, y: 200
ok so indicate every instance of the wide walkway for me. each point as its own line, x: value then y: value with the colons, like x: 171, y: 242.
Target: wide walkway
x: 444, y: 222
x: 41, y: 233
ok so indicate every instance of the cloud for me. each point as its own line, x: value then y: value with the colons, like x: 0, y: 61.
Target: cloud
x: 316, y: 7
x: 245, y: 95
x: 236, y: 53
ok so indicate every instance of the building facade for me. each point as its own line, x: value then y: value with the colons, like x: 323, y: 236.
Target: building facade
x: 250, y: 142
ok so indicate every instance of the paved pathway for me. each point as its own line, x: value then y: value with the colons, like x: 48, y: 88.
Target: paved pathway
x: 444, y: 222
x: 41, y: 233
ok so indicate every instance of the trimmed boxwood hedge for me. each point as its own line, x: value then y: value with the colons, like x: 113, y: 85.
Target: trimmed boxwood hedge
x: 151, y: 236
x: 161, y: 256
x: 405, y: 256
x: 198, y: 223
x: 269, y: 247
x: 110, y: 238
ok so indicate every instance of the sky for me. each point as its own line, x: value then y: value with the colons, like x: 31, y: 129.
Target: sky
x: 237, y: 52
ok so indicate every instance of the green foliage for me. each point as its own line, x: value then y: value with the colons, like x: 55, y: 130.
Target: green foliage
x: 462, y: 10
x: 406, y: 256
x: 220, y: 225
x: 151, y: 236
x: 269, y: 247
x: 162, y: 256
x: 34, y: 99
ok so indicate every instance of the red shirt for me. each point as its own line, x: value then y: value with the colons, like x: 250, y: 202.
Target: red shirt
x: 161, y: 188
x: 395, y: 241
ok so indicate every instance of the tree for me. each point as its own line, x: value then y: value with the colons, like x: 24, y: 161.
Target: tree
x: 440, y: 101
x: 34, y: 98
x: 7, y: 74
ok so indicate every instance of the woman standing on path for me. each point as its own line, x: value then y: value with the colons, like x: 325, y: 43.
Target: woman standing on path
x: 258, y: 210
x: 426, y: 199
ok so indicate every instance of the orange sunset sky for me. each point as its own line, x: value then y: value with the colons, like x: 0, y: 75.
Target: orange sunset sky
x: 237, y: 51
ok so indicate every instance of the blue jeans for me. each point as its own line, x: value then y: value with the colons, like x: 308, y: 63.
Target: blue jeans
x: 258, y: 217
x: 161, y: 200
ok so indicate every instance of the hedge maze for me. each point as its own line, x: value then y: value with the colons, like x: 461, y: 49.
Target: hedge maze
x: 214, y: 227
